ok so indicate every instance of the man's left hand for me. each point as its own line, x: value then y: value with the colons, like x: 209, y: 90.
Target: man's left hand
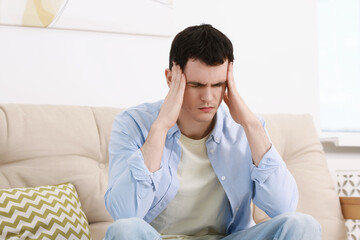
x: 258, y: 141
x: 238, y: 109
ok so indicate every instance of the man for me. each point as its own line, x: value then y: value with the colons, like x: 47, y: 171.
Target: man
x: 188, y: 167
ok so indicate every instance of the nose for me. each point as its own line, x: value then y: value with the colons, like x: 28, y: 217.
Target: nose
x: 206, y: 94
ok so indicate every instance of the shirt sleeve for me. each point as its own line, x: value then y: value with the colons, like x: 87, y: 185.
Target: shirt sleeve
x: 131, y: 187
x: 275, y: 188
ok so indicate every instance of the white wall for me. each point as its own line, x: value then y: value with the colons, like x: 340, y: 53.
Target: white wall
x: 81, y: 68
x: 275, y: 44
x: 342, y: 159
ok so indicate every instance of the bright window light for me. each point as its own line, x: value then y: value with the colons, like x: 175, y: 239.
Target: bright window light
x: 339, y: 65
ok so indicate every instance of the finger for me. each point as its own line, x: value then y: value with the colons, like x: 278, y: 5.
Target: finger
x: 230, y: 76
x: 182, y: 83
x: 180, y: 88
x: 175, y: 72
x: 178, y: 77
x: 174, y: 75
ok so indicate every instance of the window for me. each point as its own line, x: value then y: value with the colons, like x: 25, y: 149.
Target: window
x: 339, y: 65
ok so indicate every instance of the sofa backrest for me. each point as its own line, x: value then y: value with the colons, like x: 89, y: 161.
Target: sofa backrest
x: 48, y: 145
x: 295, y: 137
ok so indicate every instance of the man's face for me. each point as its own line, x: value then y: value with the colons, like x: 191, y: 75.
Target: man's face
x: 205, y: 88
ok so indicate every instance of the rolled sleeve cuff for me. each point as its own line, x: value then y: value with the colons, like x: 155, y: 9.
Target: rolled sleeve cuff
x: 270, y: 162
x: 141, y: 173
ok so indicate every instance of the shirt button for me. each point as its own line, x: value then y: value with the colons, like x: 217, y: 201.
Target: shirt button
x: 217, y: 139
x: 236, y: 209
x: 223, y: 178
x: 101, y: 165
x: 212, y: 150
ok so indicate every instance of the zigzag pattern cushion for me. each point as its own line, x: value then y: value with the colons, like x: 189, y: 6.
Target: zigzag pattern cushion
x: 47, y: 212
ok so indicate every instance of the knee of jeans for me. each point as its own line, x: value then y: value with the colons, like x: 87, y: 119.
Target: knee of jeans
x: 302, y: 221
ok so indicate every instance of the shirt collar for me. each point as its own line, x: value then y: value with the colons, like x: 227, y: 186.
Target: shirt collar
x: 174, y: 130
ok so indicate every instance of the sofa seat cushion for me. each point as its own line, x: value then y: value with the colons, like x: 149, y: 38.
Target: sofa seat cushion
x: 99, y: 229
x: 52, y: 212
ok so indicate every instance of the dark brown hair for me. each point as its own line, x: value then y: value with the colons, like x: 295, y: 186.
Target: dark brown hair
x: 202, y: 42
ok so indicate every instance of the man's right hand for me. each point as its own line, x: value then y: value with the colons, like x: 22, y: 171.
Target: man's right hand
x: 153, y: 147
x: 171, y: 107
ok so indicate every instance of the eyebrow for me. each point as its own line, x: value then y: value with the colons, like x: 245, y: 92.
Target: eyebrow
x: 200, y: 84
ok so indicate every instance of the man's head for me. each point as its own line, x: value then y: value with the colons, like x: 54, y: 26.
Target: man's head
x: 202, y: 42
x: 202, y: 53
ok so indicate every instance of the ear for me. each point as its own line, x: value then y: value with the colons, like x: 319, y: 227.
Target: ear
x: 168, y: 76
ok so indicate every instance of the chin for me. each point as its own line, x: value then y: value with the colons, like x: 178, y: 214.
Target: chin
x: 207, y: 117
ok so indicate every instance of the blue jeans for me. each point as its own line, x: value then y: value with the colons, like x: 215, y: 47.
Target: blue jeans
x: 288, y: 226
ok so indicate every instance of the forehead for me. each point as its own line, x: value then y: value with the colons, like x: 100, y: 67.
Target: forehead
x: 197, y: 71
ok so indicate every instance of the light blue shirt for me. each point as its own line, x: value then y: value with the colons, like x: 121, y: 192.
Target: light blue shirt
x: 134, y: 191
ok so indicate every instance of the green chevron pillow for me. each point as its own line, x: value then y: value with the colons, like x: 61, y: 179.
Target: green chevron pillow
x: 47, y: 212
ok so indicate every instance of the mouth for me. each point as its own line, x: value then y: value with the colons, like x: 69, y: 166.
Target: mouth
x: 206, y: 109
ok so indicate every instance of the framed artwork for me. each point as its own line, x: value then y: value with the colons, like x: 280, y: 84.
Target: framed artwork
x: 144, y: 17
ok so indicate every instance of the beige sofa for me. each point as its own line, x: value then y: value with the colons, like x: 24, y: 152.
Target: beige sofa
x: 47, y: 144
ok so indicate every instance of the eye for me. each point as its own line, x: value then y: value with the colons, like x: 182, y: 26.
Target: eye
x: 219, y: 84
x: 195, y: 85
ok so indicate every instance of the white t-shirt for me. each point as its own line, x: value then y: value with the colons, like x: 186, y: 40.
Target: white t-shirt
x: 200, y: 204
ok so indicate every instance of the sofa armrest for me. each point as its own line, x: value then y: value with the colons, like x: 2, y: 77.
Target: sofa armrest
x: 350, y: 207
